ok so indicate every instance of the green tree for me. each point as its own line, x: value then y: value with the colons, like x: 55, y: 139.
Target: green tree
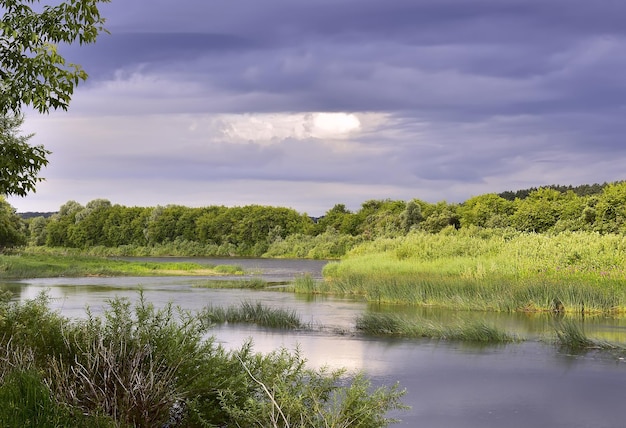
x: 439, y: 216
x: 58, y: 228
x: 20, y: 162
x: 538, y: 212
x: 412, y: 216
x: 610, y: 210
x: 489, y: 210
x: 339, y: 218
x: 37, y: 230
x: 32, y: 72
x: 11, y: 226
x: 380, y: 218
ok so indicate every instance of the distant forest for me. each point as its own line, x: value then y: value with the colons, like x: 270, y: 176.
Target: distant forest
x: 582, y: 190
x: 256, y: 230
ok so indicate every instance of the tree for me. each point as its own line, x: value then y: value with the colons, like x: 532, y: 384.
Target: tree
x: 411, y: 216
x: 487, y: 210
x: 11, y: 227
x: 32, y: 72
x: 20, y: 162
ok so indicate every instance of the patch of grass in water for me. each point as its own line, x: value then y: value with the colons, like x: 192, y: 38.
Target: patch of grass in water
x: 253, y: 284
x: 228, y: 269
x: 570, y: 335
x: 393, y: 325
x: 252, y: 313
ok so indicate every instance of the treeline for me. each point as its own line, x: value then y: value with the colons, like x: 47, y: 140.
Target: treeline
x: 582, y: 190
x: 275, y: 231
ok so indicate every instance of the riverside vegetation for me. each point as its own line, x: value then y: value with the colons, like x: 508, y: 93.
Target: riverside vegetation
x: 142, y: 367
x: 550, y: 249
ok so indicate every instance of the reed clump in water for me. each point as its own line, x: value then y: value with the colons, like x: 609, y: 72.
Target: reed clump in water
x: 252, y: 313
x: 251, y: 284
x: 382, y: 324
x: 571, y: 335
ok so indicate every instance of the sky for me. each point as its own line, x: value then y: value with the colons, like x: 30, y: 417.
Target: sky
x: 309, y: 103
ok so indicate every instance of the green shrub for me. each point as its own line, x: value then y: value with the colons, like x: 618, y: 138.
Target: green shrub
x: 144, y: 367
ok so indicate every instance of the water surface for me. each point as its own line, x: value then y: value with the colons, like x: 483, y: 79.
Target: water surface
x: 449, y: 384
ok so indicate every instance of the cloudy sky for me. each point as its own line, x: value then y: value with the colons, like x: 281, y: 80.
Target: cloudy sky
x: 309, y: 103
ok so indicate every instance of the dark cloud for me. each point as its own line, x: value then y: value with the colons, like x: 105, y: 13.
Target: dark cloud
x: 474, y: 96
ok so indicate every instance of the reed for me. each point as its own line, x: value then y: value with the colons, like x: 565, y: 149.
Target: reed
x: 251, y: 284
x: 378, y: 324
x: 306, y: 284
x: 252, y: 313
x: 487, y: 270
x: 571, y: 336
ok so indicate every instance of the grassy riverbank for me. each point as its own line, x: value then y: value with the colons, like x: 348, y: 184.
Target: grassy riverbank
x: 477, y: 269
x: 34, y: 265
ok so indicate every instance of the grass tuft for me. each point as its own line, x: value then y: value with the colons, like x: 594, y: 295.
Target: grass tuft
x: 252, y: 313
x: 378, y: 324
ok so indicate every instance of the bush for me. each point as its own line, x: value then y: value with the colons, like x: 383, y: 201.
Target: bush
x: 145, y: 367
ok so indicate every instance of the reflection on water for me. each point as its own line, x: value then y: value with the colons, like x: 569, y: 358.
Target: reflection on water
x: 449, y: 384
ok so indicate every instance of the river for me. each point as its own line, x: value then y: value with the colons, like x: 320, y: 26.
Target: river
x: 449, y: 384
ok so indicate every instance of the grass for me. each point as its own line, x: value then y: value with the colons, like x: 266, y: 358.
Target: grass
x: 250, y: 284
x: 487, y: 270
x: 377, y: 324
x: 570, y: 335
x: 47, y: 265
x: 252, y: 313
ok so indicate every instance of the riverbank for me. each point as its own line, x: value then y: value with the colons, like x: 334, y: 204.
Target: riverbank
x: 38, y: 265
x: 477, y: 269
x: 499, y: 270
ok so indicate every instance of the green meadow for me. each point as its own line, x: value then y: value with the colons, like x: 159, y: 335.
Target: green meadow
x: 482, y: 269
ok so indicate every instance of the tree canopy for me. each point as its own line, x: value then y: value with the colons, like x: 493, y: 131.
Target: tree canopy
x: 20, y: 162
x: 33, y: 73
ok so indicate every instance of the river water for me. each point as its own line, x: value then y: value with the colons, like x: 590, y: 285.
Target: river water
x: 449, y: 384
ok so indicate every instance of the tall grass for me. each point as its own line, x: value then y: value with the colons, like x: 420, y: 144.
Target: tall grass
x: 378, y: 324
x: 26, y: 401
x: 252, y: 313
x: 571, y: 335
x: 487, y: 270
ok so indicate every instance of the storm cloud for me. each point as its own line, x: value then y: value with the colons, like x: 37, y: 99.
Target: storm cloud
x: 310, y: 103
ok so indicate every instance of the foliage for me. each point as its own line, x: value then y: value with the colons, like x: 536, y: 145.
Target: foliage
x: 143, y: 367
x: 328, y: 245
x: 264, y: 231
x: 12, y: 231
x: 26, y: 401
x: 276, y: 398
x: 20, y: 162
x: 32, y: 72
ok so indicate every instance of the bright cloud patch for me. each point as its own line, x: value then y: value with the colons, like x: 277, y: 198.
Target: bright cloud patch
x: 266, y: 128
